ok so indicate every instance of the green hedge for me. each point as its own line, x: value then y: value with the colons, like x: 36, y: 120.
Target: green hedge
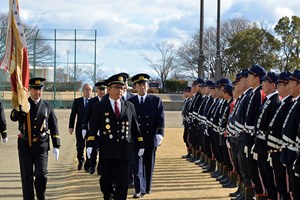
x: 175, y: 86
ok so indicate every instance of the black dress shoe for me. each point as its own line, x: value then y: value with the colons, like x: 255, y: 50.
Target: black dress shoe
x: 79, y: 167
x: 138, y: 195
x: 148, y: 191
x: 92, y: 170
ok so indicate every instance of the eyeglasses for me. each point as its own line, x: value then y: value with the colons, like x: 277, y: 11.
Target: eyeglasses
x: 118, y: 87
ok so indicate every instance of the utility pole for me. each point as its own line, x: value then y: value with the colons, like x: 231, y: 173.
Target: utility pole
x: 68, y: 70
x: 201, y: 57
x: 218, y: 67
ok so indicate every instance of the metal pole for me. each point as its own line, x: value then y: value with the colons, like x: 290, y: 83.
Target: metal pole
x: 34, y: 52
x: 75, y: 67
x: 68, y: 70
x: 54, y: 80
x: 201, y: 56
x: 95, y: 57
x: 218, y: 74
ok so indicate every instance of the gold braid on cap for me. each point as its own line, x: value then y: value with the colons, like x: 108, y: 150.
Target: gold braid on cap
x: 141, y: 78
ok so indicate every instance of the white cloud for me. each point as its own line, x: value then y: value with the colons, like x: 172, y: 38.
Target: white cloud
x: 127, y: 28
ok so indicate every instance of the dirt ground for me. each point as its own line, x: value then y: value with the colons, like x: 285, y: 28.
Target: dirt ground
x: 174, y: 178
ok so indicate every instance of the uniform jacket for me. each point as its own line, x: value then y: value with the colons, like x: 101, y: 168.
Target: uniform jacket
x: 88, y: 112
x: 3, y: 130
x: 264, y: 117
x: 43, y: 120
x: 150, y: 117
x: 116, y: 135
x: 289, y: 133
x: 77, y: 110
x: 274, y: 131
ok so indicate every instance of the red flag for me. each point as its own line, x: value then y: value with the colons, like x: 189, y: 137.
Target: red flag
x: 16, y: 58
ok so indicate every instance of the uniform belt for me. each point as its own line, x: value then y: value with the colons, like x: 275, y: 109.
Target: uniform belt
x: 274, y: 150
x: 35, y: 139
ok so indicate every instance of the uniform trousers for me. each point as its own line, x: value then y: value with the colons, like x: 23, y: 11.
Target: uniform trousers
x: 253, y: 164
x: 280, y: 175
x: 80, y: 145
x: 149, y: 162
x: 118, y: 170
x: 215, y: 146
x: 294, y: 182
x: 265, y: 169
x: 33, y: 168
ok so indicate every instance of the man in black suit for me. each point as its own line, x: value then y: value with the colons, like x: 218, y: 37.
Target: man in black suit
x: 101, y: 90
x: 116, y: 121
x: 78, y: 109
x: 3, y: 130
x: 33, y: 141
x: 150, y: 112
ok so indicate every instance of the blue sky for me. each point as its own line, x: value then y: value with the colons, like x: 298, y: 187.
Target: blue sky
x: 127, y: 29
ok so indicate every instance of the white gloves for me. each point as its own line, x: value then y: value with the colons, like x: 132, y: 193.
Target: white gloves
x: 56, y: 153
x: 83, y: 133
x: 89, y: 152
x: 158, y: 139
x: 141, y: 152
x: 5, y: 140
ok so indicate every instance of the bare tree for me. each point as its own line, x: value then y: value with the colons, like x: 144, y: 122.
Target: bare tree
x: 166, y: 63
x: 189, y: 50
x: 100, y: 74
x: 38, y: 50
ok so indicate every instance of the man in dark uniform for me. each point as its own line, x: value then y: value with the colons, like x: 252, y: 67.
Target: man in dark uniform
x: 260, y: 149
x: 101, y: 90
x: 33, y: 141
x: 3, y: 130
x: 187, y: 93
x: 78, y: 109
x: 238, y: 138
x: 116, y: 121
x: 150, y: 112
x: 254, y: 79
x: 274, y: 136
x: 290, y: 130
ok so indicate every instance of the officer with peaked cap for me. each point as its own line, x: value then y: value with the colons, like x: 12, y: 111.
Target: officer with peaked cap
x: 150, y: 112
x: 274, y: 136
x: 289, y: 134
x: 116, y: 121
x: 263, y: 119
x: 101, y: 90
x: 36, y: 127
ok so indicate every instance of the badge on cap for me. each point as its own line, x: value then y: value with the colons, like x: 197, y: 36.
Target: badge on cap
x: 37, y: 82
x: 120, y: 78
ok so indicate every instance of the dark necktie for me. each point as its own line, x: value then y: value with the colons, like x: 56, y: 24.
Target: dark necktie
x: 142, y: 100
x: 86, y: 103
x: 117, y: 111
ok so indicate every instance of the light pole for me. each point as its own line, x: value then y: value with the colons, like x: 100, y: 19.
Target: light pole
x: 68, y: 71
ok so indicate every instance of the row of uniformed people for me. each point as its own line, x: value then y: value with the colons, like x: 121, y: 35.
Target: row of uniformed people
x: 259, y: 131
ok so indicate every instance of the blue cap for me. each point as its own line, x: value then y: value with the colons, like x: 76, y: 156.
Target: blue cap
x: 284, y: 77
x: 244, y: 73
x: 223, y: 82
x: 228, y: 88
x: 295, y: 76
x: 200, y: 81
x: 272, y: 77
x: 257, y: 70
x: 209, y: 83
x: 187, y: 89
